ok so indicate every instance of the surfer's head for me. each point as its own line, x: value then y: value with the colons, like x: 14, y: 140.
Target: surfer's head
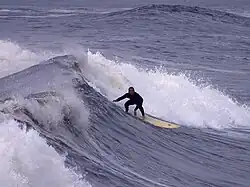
x: 131, y: 90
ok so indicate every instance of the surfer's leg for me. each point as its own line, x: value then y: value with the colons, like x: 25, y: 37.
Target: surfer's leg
x: 142, y: 110
x: 126, y: 105
x: 136, y: 108
x: 139, y: 105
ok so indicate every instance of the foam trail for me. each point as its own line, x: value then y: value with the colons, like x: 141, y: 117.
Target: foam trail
x: 41, y: 16
x: 26, y: 160
x: 65, y: 11
x: 172, y: 97
x: 14, y: 58
x: 244, y: 13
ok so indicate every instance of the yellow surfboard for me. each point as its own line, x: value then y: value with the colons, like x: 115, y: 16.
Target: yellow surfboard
x: 158, y: 122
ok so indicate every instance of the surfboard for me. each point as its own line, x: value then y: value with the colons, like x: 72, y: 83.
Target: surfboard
x: 157, y: 121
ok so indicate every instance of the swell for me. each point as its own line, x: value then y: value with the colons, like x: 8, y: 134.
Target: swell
x: 161, y: 10
x: 34, y: 12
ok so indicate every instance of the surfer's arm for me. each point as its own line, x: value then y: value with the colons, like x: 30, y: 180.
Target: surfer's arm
x: 121, y: 98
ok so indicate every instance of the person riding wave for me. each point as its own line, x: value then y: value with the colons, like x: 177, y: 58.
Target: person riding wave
x: 134, y: 99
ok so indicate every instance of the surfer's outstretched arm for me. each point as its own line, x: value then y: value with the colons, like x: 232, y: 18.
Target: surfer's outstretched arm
x: 121, y: 98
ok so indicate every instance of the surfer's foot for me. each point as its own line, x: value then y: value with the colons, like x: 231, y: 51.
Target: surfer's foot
x: 134, y: 113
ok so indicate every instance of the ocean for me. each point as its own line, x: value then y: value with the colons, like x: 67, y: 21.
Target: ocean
x: 63, y: 62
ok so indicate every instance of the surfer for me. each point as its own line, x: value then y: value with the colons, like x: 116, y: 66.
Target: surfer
x: 134, y: 99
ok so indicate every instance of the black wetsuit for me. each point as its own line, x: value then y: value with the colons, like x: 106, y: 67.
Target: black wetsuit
x: 135, y: 99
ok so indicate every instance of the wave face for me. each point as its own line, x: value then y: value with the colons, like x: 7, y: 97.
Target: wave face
x: 105, y: 145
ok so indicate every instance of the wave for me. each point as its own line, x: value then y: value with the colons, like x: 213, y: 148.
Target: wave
x: 23, y: 10
x: 67, y: 103
x: 15, y: 58
x: 172, y: 97
x: 243, y: 13
x: 215, y: 15
x: 65, y: 11
x: 9, y: 10
x: 41, y: 16
x: 30, y: 12
x: 146, y: 11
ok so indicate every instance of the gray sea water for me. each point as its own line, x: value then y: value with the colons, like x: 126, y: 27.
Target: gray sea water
x: 63, y: 62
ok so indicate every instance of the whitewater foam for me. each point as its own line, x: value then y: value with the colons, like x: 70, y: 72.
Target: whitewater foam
x: 64, y: 11
x: 243, y: 13
x: 171, y: 97
x: 10, y: 10
x: 48, y: 110
x: 41, y: 16
x: 26, y: 160
x: 14, y: 58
